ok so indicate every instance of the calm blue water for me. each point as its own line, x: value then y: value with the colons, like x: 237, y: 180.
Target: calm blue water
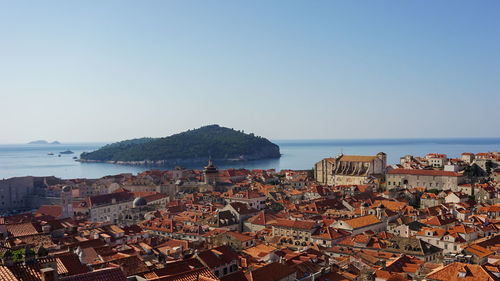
x: 22, y: 160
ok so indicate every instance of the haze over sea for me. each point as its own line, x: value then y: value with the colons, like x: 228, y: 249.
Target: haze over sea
x: 33, y: 160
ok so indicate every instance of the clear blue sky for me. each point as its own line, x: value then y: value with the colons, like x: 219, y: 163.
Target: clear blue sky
x: 110, y: 70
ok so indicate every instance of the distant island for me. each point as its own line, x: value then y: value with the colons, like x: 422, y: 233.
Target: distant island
x: 43, y: 142
x: 193, y: 146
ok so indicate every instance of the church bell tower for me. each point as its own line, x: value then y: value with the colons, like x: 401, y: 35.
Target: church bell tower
x: 210, y: 173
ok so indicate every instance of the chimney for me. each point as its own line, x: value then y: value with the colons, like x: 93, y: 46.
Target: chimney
x: 46, y: 229
x: 282, y: 260
x: 48, y: 274
x: 123, y: 268
x: 81, y: 255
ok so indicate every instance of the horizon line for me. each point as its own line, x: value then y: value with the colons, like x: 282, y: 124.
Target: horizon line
x: 280, y: 139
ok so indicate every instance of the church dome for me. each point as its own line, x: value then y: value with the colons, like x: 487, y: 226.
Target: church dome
x: 66, y: 188
x: 139, y: 201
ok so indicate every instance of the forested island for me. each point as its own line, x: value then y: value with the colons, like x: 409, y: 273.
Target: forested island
x: 193, y: 146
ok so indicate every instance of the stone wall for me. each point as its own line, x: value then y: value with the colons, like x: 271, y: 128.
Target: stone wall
x: 13, y: 192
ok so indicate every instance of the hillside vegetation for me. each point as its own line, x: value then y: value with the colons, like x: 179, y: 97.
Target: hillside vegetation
x: 214, y: 141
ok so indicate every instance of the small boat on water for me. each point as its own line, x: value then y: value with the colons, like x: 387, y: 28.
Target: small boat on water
x: 50, y: 153
x: 66, y: 152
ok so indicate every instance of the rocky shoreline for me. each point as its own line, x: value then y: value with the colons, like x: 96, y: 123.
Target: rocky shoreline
x: 171, y: 162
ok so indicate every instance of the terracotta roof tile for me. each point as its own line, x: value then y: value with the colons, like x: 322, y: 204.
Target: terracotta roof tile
x: 362, y: 221
x: 200, y: 274
x: 424, y: 172
x: 218, y: 256
x: 105, y: 274
x: 104, y: 199
x: 470, y: 272
x: 271, y: 272
x: 51, y: 210
x: 21, y: 229
x: 300, y: 224
x: 357, y: 158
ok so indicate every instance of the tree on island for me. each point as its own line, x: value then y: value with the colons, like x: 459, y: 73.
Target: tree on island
x: 213, y: 141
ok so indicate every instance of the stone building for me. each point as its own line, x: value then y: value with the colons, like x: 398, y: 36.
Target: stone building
x: 430, y: 179
x: 350, y: 169
x: 294, y: 232
x: 450, y: 241
x: 108, y: 207
x: 210, y: 174
x: 436, y: 160
x: 221, y: 260
x: 236, y: 241
x: 139, y: 212
x: 13, y: 192
x: 67, y: 202
x: 224, y: 220
x: 429, y: 200
x: 361, y: 224
x: 253, y: 198
x: 468, y: 157
x: 414, y: 247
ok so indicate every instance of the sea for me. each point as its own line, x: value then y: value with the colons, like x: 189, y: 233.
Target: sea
x: 18, y: 160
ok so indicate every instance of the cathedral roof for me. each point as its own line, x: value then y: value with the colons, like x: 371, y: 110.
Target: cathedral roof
x: 139, y: 201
